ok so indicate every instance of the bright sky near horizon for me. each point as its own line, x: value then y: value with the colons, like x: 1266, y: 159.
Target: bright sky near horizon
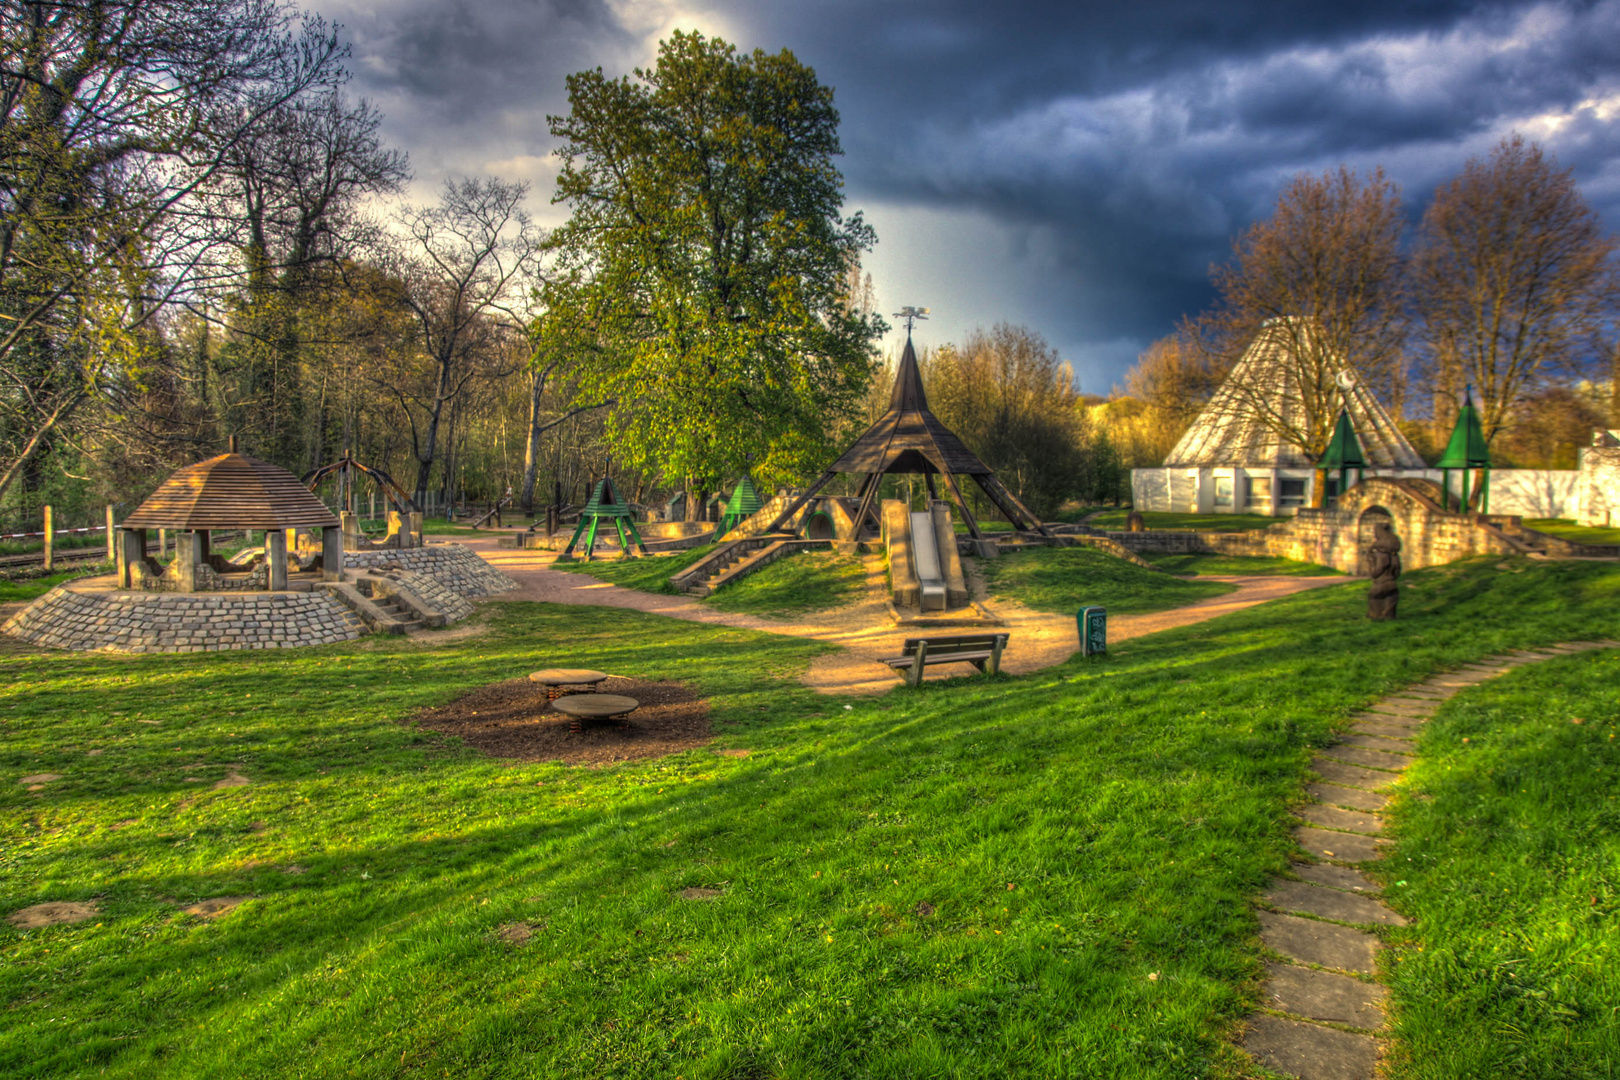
x: 1074, y: 167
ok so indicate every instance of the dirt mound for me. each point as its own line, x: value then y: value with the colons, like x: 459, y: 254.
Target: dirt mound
x: 513, y: 720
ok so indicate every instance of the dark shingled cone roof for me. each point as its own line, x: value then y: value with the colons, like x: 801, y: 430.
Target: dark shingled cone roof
x: 231, y: 491
x: 908, y: 438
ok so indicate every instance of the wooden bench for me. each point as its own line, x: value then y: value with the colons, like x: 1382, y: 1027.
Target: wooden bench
x: 983, y: 651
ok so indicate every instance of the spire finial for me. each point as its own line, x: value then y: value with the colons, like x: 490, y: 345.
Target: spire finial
x: 911, y: 314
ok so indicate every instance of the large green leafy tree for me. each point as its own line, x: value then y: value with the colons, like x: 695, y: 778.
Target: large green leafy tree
x: 701, y: 281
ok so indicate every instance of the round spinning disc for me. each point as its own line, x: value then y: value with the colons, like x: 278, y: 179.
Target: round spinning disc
x: 595, y: 706
x: 567, y: 676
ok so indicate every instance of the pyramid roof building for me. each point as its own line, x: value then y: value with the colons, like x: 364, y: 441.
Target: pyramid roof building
x: 1264, y: 393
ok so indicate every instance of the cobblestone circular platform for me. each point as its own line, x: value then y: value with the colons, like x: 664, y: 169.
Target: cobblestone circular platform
x: 453, y: 566
x: 86, y: 615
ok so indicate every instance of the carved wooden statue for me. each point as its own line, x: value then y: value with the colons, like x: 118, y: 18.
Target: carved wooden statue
x: 1384, y: 564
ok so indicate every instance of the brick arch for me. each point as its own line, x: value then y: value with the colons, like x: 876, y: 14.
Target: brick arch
x: 1429, y: 534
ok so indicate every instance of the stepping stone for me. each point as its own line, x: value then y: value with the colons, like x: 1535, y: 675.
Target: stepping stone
x: 1303, y: 898
x: 1333, y: 795
x: 1343, y: 846
x: 1337, y: 877
x: 1332, y: 817
x: 1323, y: 944
x: 1337, y: 772
x: 1401, y: 708
x: 1388, y: 744
x: 1324, y: 996
x: 1391, y: 730
x: 1372, y: 759
x: 1309, y: 1051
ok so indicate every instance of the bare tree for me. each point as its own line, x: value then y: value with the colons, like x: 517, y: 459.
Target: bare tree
x: 113, y: 115
x: 467, y: 267
x: 1324, y: 275
x: 1512, y: 274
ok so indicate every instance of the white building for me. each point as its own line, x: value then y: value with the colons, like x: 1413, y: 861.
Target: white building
x: 1234, y: 460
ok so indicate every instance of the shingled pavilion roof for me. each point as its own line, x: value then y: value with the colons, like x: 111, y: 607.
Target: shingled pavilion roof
x: 1239, y: 426
x: 231, y: 491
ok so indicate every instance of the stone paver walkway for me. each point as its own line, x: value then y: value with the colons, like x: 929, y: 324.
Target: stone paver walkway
x: 863, y: 630
x: 1322, y: 1008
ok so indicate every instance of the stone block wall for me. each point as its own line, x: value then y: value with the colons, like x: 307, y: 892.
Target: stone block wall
x: 435, y: 594
x: 1332, y: 537
x: 454, y: 566
x: 133, y: 622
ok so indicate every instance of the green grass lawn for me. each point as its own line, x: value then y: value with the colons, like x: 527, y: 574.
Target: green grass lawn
x: 1115, y: 520
x: 1237, y: 565
x: 1509, y: 864
x: 1063, y: 580
x: 32, y: 588
x: 650, y: 574
x: 788, y: 588
x: 1566, y: 528
x: 971, y: 880
x: 801, y: 584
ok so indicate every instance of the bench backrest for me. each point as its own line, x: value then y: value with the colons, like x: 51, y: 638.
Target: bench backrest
x: 944, y: 646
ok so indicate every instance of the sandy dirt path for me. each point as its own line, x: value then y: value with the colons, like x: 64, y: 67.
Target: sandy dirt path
x: 863, y: 631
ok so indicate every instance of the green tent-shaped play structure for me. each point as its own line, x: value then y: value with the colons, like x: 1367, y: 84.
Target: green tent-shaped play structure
x: 1344, y: 452
x: 604, y: 506
x: 1467, y: 451
x: 744, y: 504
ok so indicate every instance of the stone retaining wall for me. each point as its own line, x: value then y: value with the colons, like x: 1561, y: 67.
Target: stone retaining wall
x: 135, y: 622
x: 454, y: 566
x: 1334, y: 537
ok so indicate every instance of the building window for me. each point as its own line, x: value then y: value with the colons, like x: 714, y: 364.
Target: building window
x: 1256, y: 489
x: 1293, y: 492
x: 1223, y: 491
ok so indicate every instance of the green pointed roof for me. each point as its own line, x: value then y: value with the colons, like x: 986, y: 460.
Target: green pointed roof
x: 1467, y: 448
x: 745, y: 500
x: 604, y: 502
x: 1344, y: 452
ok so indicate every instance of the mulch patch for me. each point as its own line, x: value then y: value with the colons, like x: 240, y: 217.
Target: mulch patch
x: 511, y: 719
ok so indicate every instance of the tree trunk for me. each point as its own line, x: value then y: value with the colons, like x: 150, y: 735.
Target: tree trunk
x: 531, y: 455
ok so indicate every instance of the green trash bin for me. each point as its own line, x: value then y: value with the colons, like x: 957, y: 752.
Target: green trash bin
x: 1092, y: 622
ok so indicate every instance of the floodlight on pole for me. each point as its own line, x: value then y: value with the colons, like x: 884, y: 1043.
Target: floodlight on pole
x: 911, y: 314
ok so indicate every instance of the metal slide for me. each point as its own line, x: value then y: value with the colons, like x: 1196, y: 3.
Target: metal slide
x: 925, y: 556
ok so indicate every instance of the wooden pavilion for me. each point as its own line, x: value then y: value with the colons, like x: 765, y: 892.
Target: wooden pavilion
x: 231, y: 491
x: 909, y: 439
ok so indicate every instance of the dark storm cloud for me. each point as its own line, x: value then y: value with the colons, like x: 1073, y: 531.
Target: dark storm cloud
x: 1092, y: 159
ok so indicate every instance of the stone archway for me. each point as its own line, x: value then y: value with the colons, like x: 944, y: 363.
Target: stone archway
x: 819, y: 526
x: 1367, y: 531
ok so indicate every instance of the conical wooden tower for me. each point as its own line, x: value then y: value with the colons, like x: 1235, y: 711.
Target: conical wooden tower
x: 908, y: 438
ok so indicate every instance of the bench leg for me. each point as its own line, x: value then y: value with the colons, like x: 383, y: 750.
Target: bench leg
x: 915, y: 675
x: 994, y: 667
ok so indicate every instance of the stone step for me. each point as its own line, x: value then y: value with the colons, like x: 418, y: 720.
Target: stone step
x: 1388, y: 730
x: 1371, y: 759
x: 1356, y: 798
x: 1311, y: 941
x: 1389, y: 744
x: 1338, y: 772
x: 1333, y: 817
x: 1310, y: 1051
x: 1303, y: 898
x: 1324, y: 997
x: 1337, y: 877
x: 1339, y: 846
